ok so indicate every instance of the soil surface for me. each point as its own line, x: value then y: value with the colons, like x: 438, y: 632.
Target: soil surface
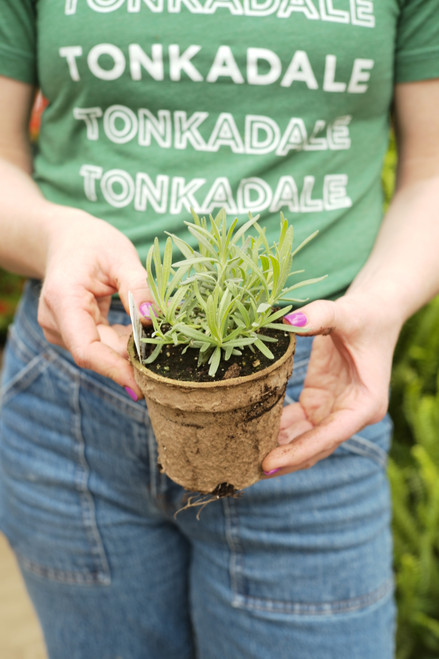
x: 173, y: 363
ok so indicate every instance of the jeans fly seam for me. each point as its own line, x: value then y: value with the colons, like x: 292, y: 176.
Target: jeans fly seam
x: 85, y: 496
x: 232, y: 539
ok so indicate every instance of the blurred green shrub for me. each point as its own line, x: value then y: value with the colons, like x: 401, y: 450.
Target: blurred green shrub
x: 414, y: 476
x: 414, y: 473
x: 10, y: 290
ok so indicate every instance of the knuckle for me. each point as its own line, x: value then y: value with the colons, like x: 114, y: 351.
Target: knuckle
x: 49, y: 294
x: 81, y: 358
x: 43, y: 321
x: 379, y: 415
x: 379, y: 410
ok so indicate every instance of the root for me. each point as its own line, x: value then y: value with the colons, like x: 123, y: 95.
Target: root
x: 202, y: 500
x: 196, y: 500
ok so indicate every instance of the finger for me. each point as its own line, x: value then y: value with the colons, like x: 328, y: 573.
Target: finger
x: 133, y: 280
x: 104, y: 304
x: 81, y: 337
x: 319, y: 317
x: 292, y: 413
x: 117, y: 345
x: 315, y: 444
x: 54, y: 338
x: 293, y: 423
x: 115, y: 337
x: 287, y: 435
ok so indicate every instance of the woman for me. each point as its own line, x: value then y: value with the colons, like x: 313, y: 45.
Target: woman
x: 155, y: 107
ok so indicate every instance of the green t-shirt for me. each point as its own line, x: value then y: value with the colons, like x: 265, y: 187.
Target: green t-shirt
x: 156, y: 106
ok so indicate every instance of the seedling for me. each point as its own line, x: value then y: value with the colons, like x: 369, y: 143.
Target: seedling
x: 221, y: 297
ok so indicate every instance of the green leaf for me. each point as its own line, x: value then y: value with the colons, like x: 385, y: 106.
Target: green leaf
x: 245, y: 227
x: 284, y: 327
x: 174, y: 304
x: 150, y: 278
x: 176, y: 279
x: 166, y: 268
x: 265, y: 262
x: 211, y: 315
x: 183, y: 246
x: 153, y: 356
x: 225, y: 243
x: 224, y: 310
x: 278, y: 314
x: 193, y: 333
x: 243, y: 312
x: 204, y: 239
x: 194, y: 260
x: 254, y: 269
x: 214, y: 361
x: 276, y: 271
x: 263, y: 348
x: 199, y: 297
x: 305, y: 242
x: 239, y: 343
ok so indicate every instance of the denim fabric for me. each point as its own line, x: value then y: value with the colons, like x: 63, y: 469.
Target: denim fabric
x: 299, y: 567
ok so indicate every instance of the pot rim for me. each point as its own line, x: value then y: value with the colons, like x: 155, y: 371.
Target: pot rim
x: 230, y: 382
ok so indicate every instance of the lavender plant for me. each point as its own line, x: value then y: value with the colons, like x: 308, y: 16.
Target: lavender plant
x: 220, y: 297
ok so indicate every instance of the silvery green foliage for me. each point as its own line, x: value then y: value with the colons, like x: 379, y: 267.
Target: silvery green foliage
x: 218, y: 298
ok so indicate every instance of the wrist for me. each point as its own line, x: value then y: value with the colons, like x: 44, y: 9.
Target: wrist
x: 64, y: 228
x: 378, y: 311
x: 385, y: 295
x: 49, y: 220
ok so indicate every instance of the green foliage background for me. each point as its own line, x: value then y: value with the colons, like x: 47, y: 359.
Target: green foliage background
x: 413, y: 465
x: 414, y: 473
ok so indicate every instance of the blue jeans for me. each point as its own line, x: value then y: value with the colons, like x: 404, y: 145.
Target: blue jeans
x: 299, y: 567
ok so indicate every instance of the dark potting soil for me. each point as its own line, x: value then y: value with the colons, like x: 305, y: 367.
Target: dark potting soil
x: 175, y: 363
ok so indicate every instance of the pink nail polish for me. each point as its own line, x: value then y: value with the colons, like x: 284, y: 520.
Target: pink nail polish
x: 132, y: 394
x: 146, y: 309
x: 273, y: 471
x: 296, y: 319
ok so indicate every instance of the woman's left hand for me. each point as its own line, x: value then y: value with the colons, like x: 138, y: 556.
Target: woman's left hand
x: 346, y: 385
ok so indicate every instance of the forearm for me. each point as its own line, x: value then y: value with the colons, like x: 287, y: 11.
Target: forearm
x: 402, y: 273
x: 27, y: 219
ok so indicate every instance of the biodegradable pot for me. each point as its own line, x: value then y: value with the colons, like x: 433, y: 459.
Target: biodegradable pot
x: 213, y: 436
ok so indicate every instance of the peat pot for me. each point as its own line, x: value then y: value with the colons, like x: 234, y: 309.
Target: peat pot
x: 213, y: 436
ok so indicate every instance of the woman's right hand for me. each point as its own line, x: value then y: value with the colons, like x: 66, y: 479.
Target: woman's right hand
x: 87, y: 261
x: 82, y: 260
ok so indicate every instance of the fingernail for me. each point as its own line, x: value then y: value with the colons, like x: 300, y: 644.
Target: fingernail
x: 297, y: 319
x: 132, y: 394
x: 273, y: 471
x: 146, y: 309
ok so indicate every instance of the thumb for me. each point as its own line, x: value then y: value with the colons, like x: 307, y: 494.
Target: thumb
x: 319, y: 317
x: 133, y: 280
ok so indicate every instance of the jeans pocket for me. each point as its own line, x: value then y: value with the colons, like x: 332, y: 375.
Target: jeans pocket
x: 47, y: 510
x: 21, y: 366
x: 316, y: 542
